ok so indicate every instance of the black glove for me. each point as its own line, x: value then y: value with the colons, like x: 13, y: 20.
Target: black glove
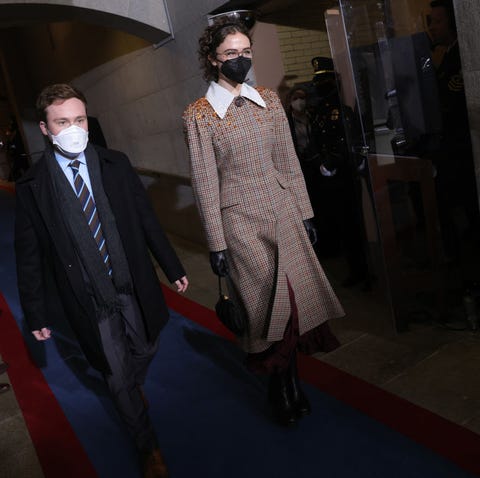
x: 219, y: 263
x: 311, y: 231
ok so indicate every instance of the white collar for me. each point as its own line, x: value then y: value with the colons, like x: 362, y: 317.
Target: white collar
x: 220, y: 98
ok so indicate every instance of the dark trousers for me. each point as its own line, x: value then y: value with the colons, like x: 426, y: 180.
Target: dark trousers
x: 129, y: 354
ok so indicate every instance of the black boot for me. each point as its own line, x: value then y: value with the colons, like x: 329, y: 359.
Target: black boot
x: 299, y: 399
x: 280, y: 399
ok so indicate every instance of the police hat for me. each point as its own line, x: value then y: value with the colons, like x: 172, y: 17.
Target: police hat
x: 322, y: 64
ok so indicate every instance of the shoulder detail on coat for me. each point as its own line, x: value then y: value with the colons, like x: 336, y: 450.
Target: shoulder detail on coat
x: 263, y: 90
x: 198, y: 109
x: 266, y: 92
x: 269, y: 95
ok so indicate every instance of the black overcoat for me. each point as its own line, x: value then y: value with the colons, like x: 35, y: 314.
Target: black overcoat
x: 50, y: 280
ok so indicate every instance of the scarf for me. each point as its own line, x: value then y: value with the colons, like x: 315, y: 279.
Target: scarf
x: 105, y: 288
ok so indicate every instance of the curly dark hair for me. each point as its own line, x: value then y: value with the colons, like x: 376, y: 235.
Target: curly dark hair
x: 213, y: 36
x: 52, y: 93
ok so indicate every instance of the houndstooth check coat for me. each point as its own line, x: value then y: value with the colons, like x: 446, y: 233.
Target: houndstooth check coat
x: 252, y: 199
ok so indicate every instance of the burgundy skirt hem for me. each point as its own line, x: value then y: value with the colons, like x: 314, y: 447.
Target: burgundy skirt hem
x: 278, y: 356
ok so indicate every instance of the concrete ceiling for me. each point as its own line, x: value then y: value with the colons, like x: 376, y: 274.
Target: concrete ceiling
x: 24, y: 13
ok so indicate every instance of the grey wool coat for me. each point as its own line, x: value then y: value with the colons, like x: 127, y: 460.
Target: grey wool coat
x: 252, y: 201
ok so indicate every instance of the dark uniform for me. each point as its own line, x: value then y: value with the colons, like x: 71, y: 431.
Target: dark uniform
x: 338, y: 208
x: 455, y: 181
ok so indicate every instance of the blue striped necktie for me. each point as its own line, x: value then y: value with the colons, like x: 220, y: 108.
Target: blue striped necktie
x: 91, y: 214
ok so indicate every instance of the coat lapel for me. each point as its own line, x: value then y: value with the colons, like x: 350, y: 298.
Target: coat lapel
x: 49, y: 208
x: 42, y: 191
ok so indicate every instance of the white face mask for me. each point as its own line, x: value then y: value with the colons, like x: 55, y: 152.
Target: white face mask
x: 71, y: 140
x: 299, y: 105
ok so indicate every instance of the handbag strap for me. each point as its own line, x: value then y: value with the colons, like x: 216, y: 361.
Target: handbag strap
x: 220, y: 291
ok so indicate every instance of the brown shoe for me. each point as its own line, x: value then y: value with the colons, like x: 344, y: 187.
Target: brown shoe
x: 154, y: 466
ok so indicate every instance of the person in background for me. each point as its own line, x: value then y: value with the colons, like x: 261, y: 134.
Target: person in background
x: 338, y: 189
x: 257, y: 217
x: 299, y: 120
x: 455, y: 179
x: 84, y: 232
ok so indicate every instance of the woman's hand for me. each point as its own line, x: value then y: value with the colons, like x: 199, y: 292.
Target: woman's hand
x: 219, y: 263
x: 311, y: 230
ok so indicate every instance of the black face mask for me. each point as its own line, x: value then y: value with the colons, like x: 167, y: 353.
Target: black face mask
x: 236, y: 69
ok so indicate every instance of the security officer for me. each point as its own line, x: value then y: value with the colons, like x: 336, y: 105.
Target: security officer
x: 340, y: 217
x: 455, y: 181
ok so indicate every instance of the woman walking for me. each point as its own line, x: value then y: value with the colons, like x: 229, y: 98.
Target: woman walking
x: 256, y: 215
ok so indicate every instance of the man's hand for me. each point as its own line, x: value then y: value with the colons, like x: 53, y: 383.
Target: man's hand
x: 42, y: 334
x: 182, y: 284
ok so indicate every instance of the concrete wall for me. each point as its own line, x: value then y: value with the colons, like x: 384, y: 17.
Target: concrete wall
x: 139, y: 99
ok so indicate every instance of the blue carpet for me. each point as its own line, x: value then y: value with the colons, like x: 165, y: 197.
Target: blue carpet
x: 210, y: 414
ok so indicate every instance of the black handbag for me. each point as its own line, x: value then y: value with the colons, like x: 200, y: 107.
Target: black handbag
x: 229, y: 312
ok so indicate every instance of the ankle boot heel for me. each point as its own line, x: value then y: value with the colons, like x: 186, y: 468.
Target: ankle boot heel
x: 299, y: 399
x: 280, y: 401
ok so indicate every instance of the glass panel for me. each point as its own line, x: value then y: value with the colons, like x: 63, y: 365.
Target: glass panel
x: 358, y: 125
x: 425, y: 210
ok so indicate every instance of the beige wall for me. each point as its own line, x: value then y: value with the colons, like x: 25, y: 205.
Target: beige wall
x: 298, y: 46
x: 268, y: 65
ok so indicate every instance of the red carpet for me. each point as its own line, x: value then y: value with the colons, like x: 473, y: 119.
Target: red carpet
x: 59, y: 451
x: 448, y: 439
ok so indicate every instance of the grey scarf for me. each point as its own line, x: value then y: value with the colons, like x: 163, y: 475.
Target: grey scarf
x: 104, y: 288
